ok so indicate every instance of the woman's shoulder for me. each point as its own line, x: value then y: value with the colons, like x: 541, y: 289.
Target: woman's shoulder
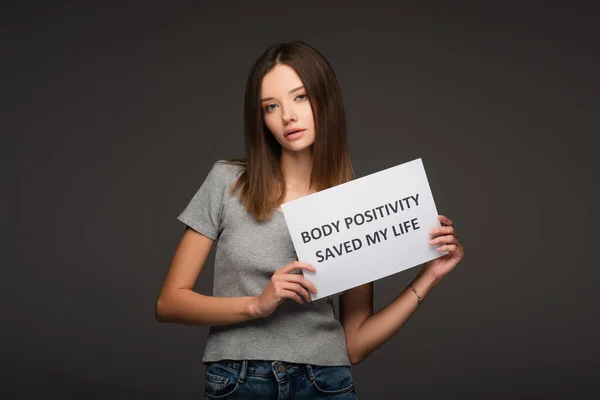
x: 227, y: 171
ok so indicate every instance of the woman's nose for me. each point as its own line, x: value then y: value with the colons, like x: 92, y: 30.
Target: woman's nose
x: 288, y: 115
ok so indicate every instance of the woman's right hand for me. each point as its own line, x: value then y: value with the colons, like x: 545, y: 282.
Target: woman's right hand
x: 284, y: 285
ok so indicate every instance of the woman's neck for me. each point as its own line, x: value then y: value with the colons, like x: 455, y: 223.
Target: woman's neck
x: 297, y: 168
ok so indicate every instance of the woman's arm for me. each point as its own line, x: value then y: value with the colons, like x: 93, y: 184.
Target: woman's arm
x: 366, y: 331
x: 178, y: 302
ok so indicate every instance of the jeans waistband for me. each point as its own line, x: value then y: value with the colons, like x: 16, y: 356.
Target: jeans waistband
x: 280, y: 369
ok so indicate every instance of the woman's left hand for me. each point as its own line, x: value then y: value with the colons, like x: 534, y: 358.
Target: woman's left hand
x: 445, y: 235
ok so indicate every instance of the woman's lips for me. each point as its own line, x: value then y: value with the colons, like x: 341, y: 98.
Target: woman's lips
x: 295, y: 135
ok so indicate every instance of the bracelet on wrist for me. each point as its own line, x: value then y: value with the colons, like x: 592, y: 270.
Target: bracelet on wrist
x: 419, y: 298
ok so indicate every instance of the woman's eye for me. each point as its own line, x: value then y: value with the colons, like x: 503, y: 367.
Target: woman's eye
x: 271, y: 107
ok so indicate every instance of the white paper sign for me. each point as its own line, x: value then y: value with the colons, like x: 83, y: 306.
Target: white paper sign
x: 366, y: 229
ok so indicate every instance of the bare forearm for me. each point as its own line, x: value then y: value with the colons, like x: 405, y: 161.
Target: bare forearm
x: 187, y: 307
x: 381, y: 326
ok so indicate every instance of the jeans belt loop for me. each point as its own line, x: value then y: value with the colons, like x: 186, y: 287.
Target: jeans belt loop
x: 242, y: 376
x: 311, y: 373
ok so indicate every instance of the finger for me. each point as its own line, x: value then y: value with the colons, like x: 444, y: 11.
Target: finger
x: 295, y: 265
x: 295, y: 287
x: 448, y: 247
x: 302, y: 281
x: 442, y: 230
x: 445, y: 220
x: 443, y: 239
x: 290, y: 294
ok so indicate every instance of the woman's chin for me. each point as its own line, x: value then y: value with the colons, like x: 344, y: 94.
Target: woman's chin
x: 297, y: 147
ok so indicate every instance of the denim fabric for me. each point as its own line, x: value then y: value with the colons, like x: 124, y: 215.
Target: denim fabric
x: 276, y: 380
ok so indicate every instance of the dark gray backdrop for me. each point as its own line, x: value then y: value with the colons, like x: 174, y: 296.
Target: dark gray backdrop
x: 113, y: 114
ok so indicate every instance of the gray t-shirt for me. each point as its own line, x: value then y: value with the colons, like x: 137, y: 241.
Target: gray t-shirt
x: 248, y: 252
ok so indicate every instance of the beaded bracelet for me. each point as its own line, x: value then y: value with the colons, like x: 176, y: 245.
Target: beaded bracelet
x: 419, y: 299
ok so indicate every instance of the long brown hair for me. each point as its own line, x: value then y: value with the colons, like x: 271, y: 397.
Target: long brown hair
x: 262, y: 181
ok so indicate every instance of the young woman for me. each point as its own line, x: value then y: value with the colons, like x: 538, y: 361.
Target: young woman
x: 267, y: 338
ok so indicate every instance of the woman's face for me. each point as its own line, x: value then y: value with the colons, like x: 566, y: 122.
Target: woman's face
x: 286, y: 108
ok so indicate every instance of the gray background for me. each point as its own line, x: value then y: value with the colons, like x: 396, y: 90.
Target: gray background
x: 113, y: 114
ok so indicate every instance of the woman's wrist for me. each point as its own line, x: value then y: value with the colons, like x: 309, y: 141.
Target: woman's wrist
x: 429, y: 277
x: 423, y: 284
x: 252, y: 308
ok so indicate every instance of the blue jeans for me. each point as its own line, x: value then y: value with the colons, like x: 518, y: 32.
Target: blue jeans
x: 276, y: 380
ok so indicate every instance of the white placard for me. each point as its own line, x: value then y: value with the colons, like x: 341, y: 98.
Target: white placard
x: 366, y: 229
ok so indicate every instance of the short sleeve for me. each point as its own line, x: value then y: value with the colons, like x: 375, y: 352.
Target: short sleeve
x: 204, y: 212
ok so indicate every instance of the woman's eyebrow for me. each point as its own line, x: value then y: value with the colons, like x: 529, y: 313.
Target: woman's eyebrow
x: 290, y: 92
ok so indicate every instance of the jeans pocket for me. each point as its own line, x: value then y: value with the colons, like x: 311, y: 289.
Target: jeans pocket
x: 332, y: 379
x: 219, y: 381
